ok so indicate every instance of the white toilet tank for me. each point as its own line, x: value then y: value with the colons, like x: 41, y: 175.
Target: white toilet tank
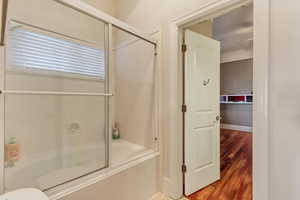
x: 24, y: 194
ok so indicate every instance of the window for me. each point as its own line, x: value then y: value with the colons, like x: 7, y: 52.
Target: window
x: 33, y: 50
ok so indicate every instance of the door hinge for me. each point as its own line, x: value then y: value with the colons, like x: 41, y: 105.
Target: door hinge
x: 184, y: 108
x: 183, y: 168
x: 184, y: 48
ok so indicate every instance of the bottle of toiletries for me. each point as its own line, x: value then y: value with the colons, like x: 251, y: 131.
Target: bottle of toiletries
x: 12, y: 150
x: 116, y: 132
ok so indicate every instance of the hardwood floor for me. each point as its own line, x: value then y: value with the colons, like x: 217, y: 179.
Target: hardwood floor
x: 236, y: 169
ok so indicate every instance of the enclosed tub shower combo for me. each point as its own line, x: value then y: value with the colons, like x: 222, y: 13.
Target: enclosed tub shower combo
x: 79, y: 95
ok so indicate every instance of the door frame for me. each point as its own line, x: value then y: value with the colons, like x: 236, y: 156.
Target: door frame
x: 261, y: 78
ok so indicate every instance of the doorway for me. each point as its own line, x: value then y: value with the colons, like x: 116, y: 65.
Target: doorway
x: 217, y: 106
x: 261, y: 31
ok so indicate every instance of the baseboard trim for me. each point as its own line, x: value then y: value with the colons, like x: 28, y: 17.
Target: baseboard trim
x: 158, y: 196
x: 166, y: 185
x: 161, y: 196
x: 237, y: 127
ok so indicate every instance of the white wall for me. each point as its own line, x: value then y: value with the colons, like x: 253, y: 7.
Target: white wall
x: 285, y: 100
x: 1, y: 13
x: 108, y: 6
x: 56, y: 17
x: 149, y: 15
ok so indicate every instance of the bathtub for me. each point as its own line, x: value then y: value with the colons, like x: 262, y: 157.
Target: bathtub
x: 53, y: 168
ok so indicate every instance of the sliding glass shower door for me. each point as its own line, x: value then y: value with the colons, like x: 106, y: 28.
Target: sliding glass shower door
x: 60, y: 120
x: 56, y: 95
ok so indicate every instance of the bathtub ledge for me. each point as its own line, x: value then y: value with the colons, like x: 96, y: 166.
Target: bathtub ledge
x: 96, y: 177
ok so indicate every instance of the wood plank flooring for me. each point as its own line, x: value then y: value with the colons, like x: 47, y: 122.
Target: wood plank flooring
x: 236, y: 169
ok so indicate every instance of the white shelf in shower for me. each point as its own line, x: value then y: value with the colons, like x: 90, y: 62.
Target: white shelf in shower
x: 123, y: 150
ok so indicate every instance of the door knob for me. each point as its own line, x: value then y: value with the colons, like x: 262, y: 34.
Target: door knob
x: 218, y: 117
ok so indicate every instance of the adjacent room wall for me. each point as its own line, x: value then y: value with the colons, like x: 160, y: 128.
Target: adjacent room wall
x: 236, y: 114
x: 236, y: 78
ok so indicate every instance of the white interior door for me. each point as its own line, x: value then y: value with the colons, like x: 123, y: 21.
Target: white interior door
x: 202, y: 121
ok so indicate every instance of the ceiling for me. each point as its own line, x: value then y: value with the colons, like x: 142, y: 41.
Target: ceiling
x: 235, y: 29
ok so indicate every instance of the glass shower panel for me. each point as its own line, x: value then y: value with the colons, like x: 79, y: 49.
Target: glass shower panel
x: 52, y: 47
x: 56, y: 111
x: 133, y: 85
x: 59, y: 138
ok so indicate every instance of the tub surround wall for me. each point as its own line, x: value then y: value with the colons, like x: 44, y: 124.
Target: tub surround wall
x: 134, y: 98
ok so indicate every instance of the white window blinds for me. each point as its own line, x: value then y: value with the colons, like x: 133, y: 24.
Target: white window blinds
x: 33, y: 50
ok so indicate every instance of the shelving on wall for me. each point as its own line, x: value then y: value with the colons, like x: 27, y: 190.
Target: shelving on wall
x: 236, y: 99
